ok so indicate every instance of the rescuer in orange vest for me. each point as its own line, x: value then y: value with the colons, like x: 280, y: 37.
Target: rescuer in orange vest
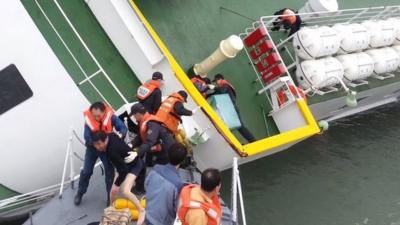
x: 149, y: 94
x: 99, y: 117
x: 288, y: 19
x: 224, y: 87
x: 153, y: 139
x: 172, y: 109
x: 200, y: 205
x: 202, y: 83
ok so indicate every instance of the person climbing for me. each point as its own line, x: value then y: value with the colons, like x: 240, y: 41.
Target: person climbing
x: 149, y: 94
x: 99, y: 117
x: 163, y: 185
x: 127, y: 164
x: 153, y: 139
x: 288, y: 19
x: 172, y: 109
x: 224, y: 87
x: 200, y: 205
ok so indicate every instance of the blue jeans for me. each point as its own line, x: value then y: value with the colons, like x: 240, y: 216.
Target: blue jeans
x: 91, y: 156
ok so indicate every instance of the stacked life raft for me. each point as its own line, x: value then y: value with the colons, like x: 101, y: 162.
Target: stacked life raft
x: 347, y: 52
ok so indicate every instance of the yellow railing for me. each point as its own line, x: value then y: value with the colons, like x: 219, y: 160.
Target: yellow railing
x: 254, y: 148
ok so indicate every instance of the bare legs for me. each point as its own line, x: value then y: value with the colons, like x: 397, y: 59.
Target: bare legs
x: 126, y: 187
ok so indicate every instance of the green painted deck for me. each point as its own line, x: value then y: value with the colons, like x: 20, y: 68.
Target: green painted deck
x: 95, y: 38
x: 193, y: 29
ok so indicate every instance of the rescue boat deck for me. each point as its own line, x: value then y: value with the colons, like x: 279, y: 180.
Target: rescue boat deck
x: 62, y: 211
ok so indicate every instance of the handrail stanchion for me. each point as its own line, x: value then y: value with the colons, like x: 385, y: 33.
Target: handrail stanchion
x: 241, y: 198
x: 71, y: 161
x: 237, y: 189
x: 65, y: 164
x: 234, y: 191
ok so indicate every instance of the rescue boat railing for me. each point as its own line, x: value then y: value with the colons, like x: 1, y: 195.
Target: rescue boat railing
x: 321, y: 18
x: 35, y: 198
x: 340, y: 16
x: 331, y: 18
x: 237, y: 190
x: 69, y: 160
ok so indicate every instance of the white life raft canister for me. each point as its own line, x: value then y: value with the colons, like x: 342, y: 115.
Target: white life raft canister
x: 354, y: 37
x: 319, y: 73
x: 382, y: 32
x: 386, y: 60
x: 397, y: 49
x: 316, y: 42
x: 357, y: 66
x: 396, y: 24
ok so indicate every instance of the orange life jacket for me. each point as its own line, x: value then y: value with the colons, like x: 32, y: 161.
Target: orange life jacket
x: 143, y: 130
x: 282, y: 96
x: 196, y: 80
x: 167, y: 114
x: 213, y: 211
x: 288, y: 16
x: 145, y: 90
x: 222, y: 82
x: 104, y: 124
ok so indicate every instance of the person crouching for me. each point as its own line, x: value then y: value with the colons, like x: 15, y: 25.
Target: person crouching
x: 126, y: 162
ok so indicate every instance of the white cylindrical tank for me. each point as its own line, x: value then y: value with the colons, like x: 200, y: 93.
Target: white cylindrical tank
x: 386, y: 60
x: 315, y: 6
x: 228, y: 49
x: 316, y: 42
x: 357, y: 66
x: 396, y: 24
x: 354, y: 37
x: 382, y: 32
x: 319, y: 73
x: 397, y: 49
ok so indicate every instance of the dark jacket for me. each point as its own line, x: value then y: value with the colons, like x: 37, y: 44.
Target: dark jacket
x: 226, y: 89
x: 181, y: 110
x: 155, y: 134
x: 116, y: 152
x: 153, y: 102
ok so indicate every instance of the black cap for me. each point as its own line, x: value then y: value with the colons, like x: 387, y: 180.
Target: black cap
x: 157, y: 76
x: 137, y: 108
x: 218, y: 77
x: 183, y: 94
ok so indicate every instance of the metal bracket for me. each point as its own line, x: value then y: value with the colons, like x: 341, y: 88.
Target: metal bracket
x: 326, y: 90
x: 382, y: 76
x: 356, y: 83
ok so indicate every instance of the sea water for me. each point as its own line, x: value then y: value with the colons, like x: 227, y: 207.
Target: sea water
x: 350, y: 175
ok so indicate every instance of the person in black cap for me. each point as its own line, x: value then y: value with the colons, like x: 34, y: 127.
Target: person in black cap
x: 149, y: 94
x: 172, y: 109
x: 153, y: 138
x: 224, y: 87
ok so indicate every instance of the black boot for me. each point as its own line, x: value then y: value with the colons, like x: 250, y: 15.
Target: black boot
x: 78, y: 199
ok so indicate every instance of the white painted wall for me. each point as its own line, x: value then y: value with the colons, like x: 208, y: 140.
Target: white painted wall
x: 34, y: 134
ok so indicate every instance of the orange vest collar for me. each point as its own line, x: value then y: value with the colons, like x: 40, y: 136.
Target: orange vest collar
x: 105, y: 124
